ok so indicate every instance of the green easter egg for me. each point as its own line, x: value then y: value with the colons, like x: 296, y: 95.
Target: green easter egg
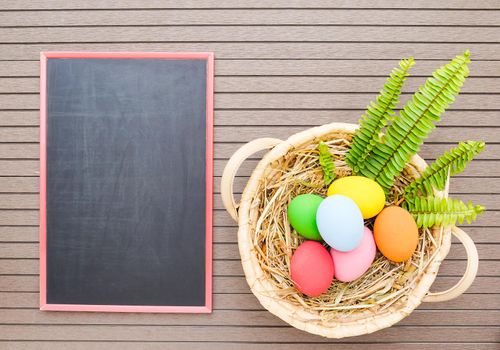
x: 302, y: 215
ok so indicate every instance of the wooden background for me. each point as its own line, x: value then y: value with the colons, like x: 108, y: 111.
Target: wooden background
x: 281, y: 66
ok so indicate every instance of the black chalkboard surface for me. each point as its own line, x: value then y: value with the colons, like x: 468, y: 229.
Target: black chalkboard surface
x: 126, y: 182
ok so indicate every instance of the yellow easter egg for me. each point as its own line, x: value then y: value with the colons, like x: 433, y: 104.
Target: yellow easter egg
x: 366, y: 193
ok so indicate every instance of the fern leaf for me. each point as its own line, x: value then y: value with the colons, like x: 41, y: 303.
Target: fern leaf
x: 433, y: 211
x: 376, y: 116
x: 416, y: 120
x: 326, y: 162
x: 436, y: 175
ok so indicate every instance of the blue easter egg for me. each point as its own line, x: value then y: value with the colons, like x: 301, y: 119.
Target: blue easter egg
x: 340, y: 223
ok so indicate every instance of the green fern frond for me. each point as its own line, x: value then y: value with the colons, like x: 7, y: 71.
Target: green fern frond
x: 432, y: 211
x: 436, y: 175
x: 416, y: 120
x: 326, y: 162
x: 376, y: 116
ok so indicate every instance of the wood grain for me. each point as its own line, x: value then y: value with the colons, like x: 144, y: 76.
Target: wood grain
x: 234, y: 333
x: 249, y: 33
x: 228, y: 234
x: 155, y: 345
x: 453, y: 266
x: 284, y: 117
x: 274, y: 50
x: 228, y: 250
x: 296, y: 67
x: 31, y: 167
x: 162, y: 17
x: 281, y: 66
x: 229, y: 84
x: 274, y: 100
x: 211, y: 4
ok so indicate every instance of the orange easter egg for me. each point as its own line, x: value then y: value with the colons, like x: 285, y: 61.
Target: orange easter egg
x: 395, y: 233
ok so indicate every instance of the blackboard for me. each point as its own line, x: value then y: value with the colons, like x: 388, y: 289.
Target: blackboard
x: 126, y: 181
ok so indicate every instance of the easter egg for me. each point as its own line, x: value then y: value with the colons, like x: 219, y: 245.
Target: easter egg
x: 366, y: 193
x: 395, y: 233
x: 351, y: 265
x: 340, y: 222
x: 311, y: 268
x: 302, y: 215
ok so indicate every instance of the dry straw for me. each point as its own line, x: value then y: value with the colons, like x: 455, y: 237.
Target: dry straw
x: 385, y: 294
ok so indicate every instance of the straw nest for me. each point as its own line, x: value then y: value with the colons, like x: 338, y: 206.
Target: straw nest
x: 384, y: 285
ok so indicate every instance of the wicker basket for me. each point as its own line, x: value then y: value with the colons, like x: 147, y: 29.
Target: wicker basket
x: 336, y: 325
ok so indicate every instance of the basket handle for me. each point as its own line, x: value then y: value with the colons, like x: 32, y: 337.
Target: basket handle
x: 232, y: 166
x: 470, y: 271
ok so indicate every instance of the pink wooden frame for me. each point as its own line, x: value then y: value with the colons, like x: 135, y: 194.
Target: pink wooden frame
x: 209, y: 57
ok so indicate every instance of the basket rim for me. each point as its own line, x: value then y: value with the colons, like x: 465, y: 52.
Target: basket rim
x: 295, y: 315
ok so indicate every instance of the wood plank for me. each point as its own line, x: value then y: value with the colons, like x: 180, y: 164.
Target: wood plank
x: 449, y: 267
x: 213, y: 4
x: 290, y: 84
x: 478, y: 168
x: 247, y: 133
x: 272, y: 50
x: 19, y: 150
x: 228, y: 234
x: 340, y: 67
x: 321, y: 101
x: 285, y: 101
x: 244, y: 133
x: 428, y: 151
x: 249, y: 33
x: 229, y: 251
x: 19, y: 267
x: 488, y: 218
x: 230, y: 317
x: 120, y: 345
x: 19, y: 201
x: 15, y: 217
x: 284, y: 117
x: 225, y: 301
x: 486, y: 251
x: 305, y: 84
x: 19, y: 168
x: 31, y: 201
x: 234, y: 333
x: 21, y: 250
x: 459, y: 185
x: 248, y: 17
x: 19, y: 134
x: 19, y: 184
x: 319, y: 117
x: 296, y: 67
x: 28, y: 234
x: 19, y: 68
x: 19, y: 118
x: 490, y: 201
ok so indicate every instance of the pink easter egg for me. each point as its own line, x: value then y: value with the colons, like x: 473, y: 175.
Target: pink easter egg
x: 353, y: 264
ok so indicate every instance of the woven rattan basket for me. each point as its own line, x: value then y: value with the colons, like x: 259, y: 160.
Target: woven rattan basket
x: 330, y: 321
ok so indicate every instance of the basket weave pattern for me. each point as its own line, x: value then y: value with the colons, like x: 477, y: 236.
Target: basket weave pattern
x: 385, y: 294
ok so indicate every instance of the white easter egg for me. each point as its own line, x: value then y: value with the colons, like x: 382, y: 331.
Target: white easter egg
x: 340, y: 222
